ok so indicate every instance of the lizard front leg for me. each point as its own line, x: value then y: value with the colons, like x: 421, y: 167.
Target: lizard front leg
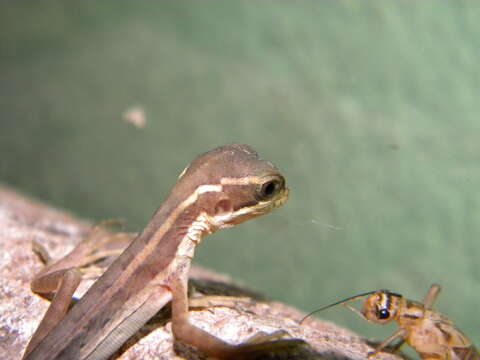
x: 189, y: 334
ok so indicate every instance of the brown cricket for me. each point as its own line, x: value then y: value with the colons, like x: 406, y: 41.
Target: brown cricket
x: 433, y: 335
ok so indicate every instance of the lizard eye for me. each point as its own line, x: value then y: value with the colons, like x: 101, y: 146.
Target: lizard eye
x: 383, y: 314
x: 270, y: 187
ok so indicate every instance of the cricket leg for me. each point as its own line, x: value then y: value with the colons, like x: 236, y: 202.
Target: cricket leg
x: 383, y: 345
x: 438, y: 351
x: 432, y: 295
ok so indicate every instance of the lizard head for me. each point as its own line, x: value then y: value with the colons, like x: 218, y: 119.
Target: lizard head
x: 232, y: 184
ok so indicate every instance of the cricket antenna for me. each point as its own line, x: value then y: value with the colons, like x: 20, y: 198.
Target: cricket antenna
x: 341, y: 302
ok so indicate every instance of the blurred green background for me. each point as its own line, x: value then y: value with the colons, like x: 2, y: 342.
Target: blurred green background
x: 369, y: 108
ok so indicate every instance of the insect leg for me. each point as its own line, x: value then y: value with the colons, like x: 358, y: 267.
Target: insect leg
x: 399, y: 334
x: 431, y: 296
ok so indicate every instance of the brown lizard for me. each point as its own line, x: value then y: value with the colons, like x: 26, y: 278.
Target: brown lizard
x: 221, y: 188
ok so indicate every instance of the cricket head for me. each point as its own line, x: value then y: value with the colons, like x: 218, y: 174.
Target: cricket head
x: 381, y: 307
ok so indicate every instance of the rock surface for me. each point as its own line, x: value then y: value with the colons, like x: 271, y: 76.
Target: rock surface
x: 23, y: 220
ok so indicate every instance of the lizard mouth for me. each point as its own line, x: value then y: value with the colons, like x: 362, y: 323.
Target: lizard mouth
x: 261, y: 208
x: 281, y: 199
x: 249, y: 212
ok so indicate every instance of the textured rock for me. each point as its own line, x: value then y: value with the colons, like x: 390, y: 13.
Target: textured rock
x: 23, y: 220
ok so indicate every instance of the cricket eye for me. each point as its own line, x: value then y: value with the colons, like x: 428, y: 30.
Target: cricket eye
x: 270, y: 188
x: 383, y: 314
